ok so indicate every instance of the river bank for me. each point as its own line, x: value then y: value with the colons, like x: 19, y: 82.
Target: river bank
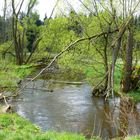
x: 63, y: 102
x: 14, y: 127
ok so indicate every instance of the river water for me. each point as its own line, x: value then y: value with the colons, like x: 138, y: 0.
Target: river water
x: 70, y: 107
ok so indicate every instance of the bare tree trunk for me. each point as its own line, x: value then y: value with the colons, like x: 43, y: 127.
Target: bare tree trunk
x: 126, y: 81
x: 106, y: 61
x: 110, y: 87
x: 19, y: 59
x: 116, y: 49
x: 16, y: 38
x: 114, y: 59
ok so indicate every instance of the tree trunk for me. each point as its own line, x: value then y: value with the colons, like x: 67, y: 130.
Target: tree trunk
x: 126, y: 82
x: 116, y: 49
x: 16, y: 37
x: 106, y: 61
x: 18, y: 49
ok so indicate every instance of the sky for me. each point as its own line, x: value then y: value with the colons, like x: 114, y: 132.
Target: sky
x: 46, y: 6
x: 43, y: 7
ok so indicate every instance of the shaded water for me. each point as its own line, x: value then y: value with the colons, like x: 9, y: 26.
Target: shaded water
x: 72, y: 108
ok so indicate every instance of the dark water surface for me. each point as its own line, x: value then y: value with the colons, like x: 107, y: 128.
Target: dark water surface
x: 71, y: 108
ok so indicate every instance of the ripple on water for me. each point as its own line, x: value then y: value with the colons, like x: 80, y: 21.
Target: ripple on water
x: 69, y: 108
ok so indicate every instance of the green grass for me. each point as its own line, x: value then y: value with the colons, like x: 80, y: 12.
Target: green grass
x: 132, y: 138
x: 10, y: 73
x: 14, y: 127
x: 135, y: 95
x: 93, y: 77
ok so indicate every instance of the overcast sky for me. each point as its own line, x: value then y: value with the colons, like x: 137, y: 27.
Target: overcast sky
x: 44, y: 6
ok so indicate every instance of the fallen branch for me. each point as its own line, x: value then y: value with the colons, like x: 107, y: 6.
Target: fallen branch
x: 6, y: 103
x: 6, y: 97
x: 66, y: 82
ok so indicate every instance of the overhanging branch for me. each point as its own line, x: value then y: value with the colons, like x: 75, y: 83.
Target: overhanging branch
x: 70, y: 46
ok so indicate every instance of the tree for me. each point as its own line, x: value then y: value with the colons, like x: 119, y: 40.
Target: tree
x: 122, y: 24
x: 127, y: 72
x: 32, y: 31
x: 19, y: 31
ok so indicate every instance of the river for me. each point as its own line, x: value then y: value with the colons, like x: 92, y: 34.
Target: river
x: 63, y: 106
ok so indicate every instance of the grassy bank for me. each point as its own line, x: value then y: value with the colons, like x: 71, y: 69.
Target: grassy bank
x: 14, y: 127
x: 97, y: 76
x: 10, y: 74
x: 135, y: 95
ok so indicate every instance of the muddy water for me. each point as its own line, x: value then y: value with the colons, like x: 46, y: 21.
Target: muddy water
x: 70, y: 107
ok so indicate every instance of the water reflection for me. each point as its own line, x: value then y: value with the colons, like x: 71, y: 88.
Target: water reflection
x: 128, y: 118
x: 71, y: 108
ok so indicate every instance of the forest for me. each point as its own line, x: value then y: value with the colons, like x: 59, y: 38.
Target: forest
x: 71, y: 75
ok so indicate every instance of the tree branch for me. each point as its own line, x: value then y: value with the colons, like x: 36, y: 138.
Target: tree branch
x: 71, y: 46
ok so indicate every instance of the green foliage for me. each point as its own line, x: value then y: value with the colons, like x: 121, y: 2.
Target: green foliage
x: 33, y: 28
x: 4, y: 46
x: 55, y: 37
x: 74, y: 24
x: 57, y: 33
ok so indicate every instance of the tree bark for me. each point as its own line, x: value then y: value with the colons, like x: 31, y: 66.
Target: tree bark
x: 16, y: 38
x: 126, y: 82
x: 116, y: 49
